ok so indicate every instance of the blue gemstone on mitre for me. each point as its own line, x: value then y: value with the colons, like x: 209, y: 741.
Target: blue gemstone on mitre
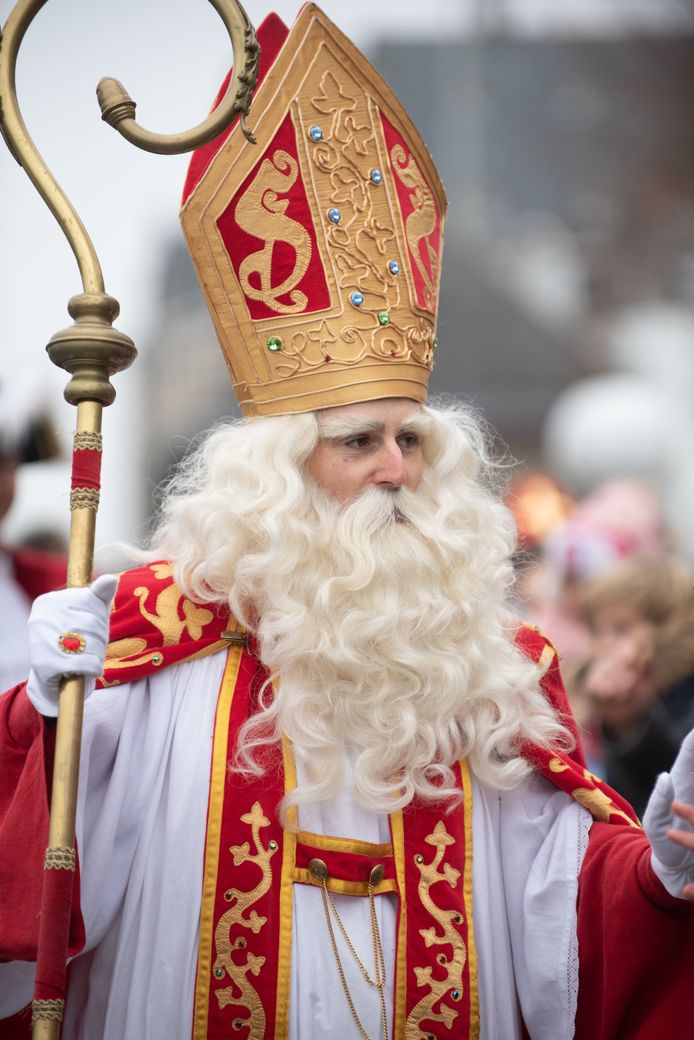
x: 376, y: 176
x: 334, y: 215
x: 394, y: 267
x: 315, y: 133
x: 357, y: 298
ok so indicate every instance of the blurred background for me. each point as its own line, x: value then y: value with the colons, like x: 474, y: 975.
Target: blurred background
x: 564, y: 136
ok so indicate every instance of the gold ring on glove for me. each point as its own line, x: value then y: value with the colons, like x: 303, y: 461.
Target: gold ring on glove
x: 72, y: 643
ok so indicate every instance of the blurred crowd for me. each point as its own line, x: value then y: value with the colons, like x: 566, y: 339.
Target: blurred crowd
x: 601, y: 579
x: 38, y: 564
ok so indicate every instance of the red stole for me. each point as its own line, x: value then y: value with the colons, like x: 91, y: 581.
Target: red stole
x: 252, y: 864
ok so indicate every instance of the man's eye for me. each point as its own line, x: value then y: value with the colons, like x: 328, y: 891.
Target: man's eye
x: 361, y: 440
x: 408, y: 440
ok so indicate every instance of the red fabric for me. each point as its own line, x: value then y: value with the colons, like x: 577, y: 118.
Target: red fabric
x: 271, y: 34
x: 18, y: 1027
x: 288, y: 198
x: 86, y: 469
x: 26, y: 743
x: 635, y: 943
x: 54, y: 934
x: 160, y: 625
x: 37, y: 571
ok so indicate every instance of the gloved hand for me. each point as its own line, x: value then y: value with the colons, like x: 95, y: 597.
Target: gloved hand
x: 673, y: 856
x: 84, y: 612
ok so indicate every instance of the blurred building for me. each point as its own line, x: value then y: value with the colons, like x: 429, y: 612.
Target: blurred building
x: 569, y: 168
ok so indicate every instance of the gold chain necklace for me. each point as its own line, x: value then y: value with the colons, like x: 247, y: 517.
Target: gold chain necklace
x: 319, y: 871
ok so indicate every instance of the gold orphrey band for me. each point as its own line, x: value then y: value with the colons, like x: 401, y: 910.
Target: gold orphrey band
x: 60, y: 859
x: 83, y: 441
x: 47, y: 1009
x: 84, y: 498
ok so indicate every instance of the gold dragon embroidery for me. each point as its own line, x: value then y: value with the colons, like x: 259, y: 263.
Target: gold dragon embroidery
x: 422, y: 220
x: 262, y: 212
x: 452, y: 984
x: 241, y: 992
x: 166, y: 618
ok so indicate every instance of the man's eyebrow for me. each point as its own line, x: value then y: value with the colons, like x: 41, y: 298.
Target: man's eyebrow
x: 413, y: 424
x: 334, y: 426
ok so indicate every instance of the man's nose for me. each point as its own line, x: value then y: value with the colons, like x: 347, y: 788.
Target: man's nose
x: 391, y: 469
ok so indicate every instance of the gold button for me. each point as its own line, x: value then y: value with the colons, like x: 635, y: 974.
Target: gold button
x: 318, y: 869
x: 376, y: 875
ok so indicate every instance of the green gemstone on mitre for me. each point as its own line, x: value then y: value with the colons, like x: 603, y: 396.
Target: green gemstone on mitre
x: 274, y: 343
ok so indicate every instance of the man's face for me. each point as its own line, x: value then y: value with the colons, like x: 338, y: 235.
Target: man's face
x: 371, y: 444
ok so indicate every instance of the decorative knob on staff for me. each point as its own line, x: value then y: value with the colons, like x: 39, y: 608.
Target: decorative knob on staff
x: 91, y: 350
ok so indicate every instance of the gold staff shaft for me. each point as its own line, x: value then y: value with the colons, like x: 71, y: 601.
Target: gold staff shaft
x: 91, y: 350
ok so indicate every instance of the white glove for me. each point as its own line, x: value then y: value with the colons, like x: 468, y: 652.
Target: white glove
x: 673, y: 863
x: 83, y: 612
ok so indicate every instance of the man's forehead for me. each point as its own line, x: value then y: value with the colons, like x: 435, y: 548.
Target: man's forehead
x: 375, y: 415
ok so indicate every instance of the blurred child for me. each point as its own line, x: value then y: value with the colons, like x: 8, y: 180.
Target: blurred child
x: 639, y: 680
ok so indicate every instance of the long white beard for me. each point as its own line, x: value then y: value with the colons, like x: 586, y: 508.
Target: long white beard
x: 381, y: 642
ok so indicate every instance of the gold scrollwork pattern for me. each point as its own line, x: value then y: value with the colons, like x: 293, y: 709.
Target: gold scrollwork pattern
x: 172, y: 613
x: 261, y: 212
x: 241, y: 992
x: 442, y: 934
x: 599, y: 805
x: 422, y: 220
x: 360, y: 245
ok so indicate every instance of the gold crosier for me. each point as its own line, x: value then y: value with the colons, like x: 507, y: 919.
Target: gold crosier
x: 91, y: 350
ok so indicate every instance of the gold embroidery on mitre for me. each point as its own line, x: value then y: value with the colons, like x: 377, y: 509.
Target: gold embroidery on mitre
x: 599, y: 805
x: 241, y: 992
x: 261, y: 212
x: 557, y: 766
x: 447, y: 936
x: 421, y: 222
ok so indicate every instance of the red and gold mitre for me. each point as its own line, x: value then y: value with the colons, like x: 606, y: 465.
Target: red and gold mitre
x: 318, y: 249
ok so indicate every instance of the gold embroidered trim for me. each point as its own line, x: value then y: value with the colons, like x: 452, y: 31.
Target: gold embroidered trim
x: 474, y: 997
x: 284, y: 957
x: 83, y: 441
x: 333, y: 844
x: 546, y: 657
x: 599, y: 805
x: 397, y: 831
x: 60, y: 859
x: 449, y: 936
x: 51, y: 1010
x: 212, y: 841
x: 84, y: 498
x: 344, y: 888
x: 241, y: 992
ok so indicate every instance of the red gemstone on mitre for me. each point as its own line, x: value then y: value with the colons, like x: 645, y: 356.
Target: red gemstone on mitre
x: 328, y: 359
x: 73, y: 643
